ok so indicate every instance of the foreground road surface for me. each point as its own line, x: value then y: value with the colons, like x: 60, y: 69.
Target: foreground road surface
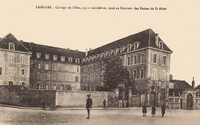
x: 133, y: 116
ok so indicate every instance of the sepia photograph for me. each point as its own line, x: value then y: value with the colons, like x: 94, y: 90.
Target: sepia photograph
x: 94, y: 62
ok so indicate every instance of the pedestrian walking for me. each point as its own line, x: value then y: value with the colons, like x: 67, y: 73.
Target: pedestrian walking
x: 153, y: 111
x: 163, y: 108
x: 144, y: 110
x: 104, y: 104
x: 88, y: 105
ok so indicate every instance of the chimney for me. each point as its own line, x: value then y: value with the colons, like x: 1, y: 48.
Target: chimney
x: 157, y: 39
x: 193, y: 83
x: 86, y: 52
x: 170, y: 77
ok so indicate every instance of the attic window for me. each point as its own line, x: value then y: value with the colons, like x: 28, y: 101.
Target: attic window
x: 11, y: 46
x: 160, y: 44
x: 136, y: 45
x: 112, y: 52
x: 62, y: 58
x: 47, y: 56
x: 116, y: 50
x: 55, y: 57
x: 129, y: 47
x: 98, y: 55
x: 77, y: 60
x: 83, y: 60
x: 107, y: 53
x: 70, y: 59
x: 124, y: 48
x: 94, y: 57
x: 38, y: 55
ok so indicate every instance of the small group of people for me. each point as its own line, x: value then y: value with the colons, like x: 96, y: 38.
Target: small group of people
x: 153, y: 110
x: 144, y: 108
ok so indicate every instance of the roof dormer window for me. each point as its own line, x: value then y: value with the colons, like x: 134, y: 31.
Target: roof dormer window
x: 47, y: 56
x: 77, y: 60
x: 38, y: 55
x: 55, y: 57
x: 129, y: 47
x: 62, y: 58
x: 83, y: 60
x: 11, y: 46
x: 136, y: 45
x: 111, y: 52
x: 107, y: 53
x: 160, y: 44
x: 116, y: 50
x: 98, y: 55
x: 69, y: 59
x: 124, y: 48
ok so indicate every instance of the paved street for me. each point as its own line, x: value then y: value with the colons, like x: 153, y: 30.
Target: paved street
x: 15, y: 116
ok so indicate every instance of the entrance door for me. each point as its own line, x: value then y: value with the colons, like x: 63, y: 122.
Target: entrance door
x: 189, y: 101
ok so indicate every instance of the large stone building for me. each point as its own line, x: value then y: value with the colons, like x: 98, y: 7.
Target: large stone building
x: 14, y: 62
x: 145, y: 55
x: 54, y: 68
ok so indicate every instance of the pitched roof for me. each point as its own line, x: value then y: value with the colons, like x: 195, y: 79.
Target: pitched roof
x: 146, y: 37
x: 181, y: 84
x: 43, y: 49
x: 4, y: 43
x: 198, y: 87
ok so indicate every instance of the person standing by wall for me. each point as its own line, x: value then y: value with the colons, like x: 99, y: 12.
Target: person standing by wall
x: 163, y: 108
x: 88, y: 105
x: 104, y: 104
x: 144, y: 110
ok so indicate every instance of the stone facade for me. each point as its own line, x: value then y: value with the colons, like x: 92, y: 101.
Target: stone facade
x: 146, y: 57
x: 14, y: 62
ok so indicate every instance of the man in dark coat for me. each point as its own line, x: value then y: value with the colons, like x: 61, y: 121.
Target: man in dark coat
x: 144, y: 110
x: 163, y: 110
x: 88, y: 105
x: 104, y: 104
x: 153, y: 111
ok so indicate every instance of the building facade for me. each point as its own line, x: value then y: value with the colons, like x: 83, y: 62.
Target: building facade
x: 183, y: 95
x: 145, y: 55
x: 14, y: 62
x: 147, y: 59
x: 54, y: 68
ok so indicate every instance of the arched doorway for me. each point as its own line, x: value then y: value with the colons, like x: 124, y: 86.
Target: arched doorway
x: 189, y: 101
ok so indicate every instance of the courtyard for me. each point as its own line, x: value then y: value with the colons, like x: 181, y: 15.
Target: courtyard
x: 121, y: 116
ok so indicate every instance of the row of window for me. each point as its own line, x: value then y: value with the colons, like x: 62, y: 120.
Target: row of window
x: 55, y: 58
x: 111, y: 52
x: 13, y: 71
x: 90, y: 78
x: 55, y: 87
x: 91, y: 67
x: 57, y: 77
x: 14, y: 59
x: 46, y: 66
x: 137, y: 73
x: 22, y: 83
x: 163, y: 60
x: 134, y: 59
x: 91, y: 87
x: 155, y: 74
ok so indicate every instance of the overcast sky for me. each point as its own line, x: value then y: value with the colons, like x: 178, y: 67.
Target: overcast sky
x: 178, y: 26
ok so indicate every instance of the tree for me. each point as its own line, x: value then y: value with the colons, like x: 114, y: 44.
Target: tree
x: 114, y: 73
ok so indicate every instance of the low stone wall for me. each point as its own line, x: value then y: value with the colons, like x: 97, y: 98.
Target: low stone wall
x: 16, y: 95
x: 78, y: 98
